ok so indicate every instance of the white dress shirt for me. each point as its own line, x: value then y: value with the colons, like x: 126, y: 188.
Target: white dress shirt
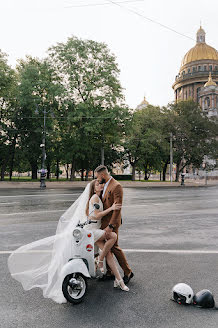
x: 105, y: 186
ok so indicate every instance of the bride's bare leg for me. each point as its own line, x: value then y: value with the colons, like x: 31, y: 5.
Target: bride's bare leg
x: 107, y: 245
x: 111, y: 262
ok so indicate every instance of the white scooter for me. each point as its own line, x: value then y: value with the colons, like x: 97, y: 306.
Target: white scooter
x: 82, y: 263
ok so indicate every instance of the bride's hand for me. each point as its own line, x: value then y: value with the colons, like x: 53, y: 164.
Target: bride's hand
x: 116, y: 206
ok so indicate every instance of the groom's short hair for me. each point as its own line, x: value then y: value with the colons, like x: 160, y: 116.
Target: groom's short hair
x: 100, y: 168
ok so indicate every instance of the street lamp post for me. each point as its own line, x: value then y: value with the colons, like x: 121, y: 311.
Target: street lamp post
x: 206, y: 177
x: 171, y: 157
x: 43, y: 171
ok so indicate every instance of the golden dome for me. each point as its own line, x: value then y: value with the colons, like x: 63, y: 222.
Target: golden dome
x: 210, y: 81
x: 200, y: 51
x: 144, y: 102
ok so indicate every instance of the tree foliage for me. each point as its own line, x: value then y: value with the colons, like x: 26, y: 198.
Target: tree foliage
x: 74, y: 96
x: 94, y: 108
x: 8, y: 107
x: 194, y: 134
x: 145, y: 141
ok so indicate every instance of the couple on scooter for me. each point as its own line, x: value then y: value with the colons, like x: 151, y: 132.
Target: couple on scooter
x: 39, y: 263
x: 108, y: 194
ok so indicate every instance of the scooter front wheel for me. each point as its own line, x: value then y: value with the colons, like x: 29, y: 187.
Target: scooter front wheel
x: 74, y: 287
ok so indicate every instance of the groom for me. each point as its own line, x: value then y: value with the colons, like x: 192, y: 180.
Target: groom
x: 113, y: 192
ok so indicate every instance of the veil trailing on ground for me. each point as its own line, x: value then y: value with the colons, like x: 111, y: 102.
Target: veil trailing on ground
x: 38, y: 264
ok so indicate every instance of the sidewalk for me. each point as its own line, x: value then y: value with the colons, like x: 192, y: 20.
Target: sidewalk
x: 125, y: 184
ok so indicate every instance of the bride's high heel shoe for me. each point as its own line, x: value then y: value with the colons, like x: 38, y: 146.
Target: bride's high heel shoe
x: 100, y: 268
x: 118, y: 283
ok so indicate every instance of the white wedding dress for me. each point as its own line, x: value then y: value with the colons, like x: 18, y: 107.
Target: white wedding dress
x: 95, y: 227
x: 38, y: 264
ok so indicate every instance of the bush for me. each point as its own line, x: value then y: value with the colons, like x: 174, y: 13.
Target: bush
x: 122, y: 176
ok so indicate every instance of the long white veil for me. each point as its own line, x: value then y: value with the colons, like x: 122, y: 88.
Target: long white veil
x: 38, y: 264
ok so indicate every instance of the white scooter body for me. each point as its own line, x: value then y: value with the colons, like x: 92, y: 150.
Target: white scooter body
x: 82, y: 258
x: 81, y: 264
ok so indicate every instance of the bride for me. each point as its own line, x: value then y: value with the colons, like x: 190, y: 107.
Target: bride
x: 39, y: 263
x: 100, y: 235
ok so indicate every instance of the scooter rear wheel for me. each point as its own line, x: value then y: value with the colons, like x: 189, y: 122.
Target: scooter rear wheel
x: 74, y: 287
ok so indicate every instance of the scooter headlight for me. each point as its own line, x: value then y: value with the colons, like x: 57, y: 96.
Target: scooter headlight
x: 77, y: 234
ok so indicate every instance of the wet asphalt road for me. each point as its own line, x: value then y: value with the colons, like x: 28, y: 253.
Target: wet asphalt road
x: 169, y: 236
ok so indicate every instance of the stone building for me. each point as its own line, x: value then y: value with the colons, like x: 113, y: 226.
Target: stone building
x: 208, y: 97
x: 198, y: 80
x: 198, y: 63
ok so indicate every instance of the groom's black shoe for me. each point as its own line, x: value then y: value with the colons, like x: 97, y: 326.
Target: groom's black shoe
x: 126, y: 279
x: 107, y: 277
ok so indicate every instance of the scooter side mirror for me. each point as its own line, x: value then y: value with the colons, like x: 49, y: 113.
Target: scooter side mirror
x: 97, y: 206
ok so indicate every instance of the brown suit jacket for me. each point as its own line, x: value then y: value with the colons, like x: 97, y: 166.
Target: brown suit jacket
x: 113, y: 193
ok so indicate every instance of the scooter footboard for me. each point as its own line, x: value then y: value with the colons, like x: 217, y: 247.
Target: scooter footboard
x: 73, y: 266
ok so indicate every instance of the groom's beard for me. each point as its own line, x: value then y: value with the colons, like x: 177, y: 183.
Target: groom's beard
x: 102, y: 181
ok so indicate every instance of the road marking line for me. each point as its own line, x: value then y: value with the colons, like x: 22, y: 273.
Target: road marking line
x: 60, y: 200
x: 9, y: 252
x: 40, y: 195
x: 138, y: 205
x: 10, y: 203
x: 51, y: 211
x: 172, y: 251
x: 179, y: 251
x: 22, y: 213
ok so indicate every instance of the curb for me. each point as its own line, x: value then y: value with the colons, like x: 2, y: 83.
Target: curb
x: 82, y: 184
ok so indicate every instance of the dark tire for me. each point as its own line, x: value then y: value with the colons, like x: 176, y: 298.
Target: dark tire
x: 72, y: 292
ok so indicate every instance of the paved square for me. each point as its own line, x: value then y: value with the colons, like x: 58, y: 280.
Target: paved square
x: 169, y: 236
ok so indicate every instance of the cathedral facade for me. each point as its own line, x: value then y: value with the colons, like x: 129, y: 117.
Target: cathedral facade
x: 198, y: 76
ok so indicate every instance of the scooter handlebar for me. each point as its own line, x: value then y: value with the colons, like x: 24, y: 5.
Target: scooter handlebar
x: 92, y: 221
x: 86, y: 223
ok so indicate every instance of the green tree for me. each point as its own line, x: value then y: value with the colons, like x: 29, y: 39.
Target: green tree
x: 38, y: 96
x: 145, y: 141
x: 94, y: 108
x: 8, y: 108
x: 194, y: 135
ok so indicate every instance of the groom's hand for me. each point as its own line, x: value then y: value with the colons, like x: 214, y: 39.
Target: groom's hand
x: 107, y: 230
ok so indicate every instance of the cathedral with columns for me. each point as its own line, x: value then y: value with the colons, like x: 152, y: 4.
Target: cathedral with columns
x: 197, y: 79
x: 198, y: 76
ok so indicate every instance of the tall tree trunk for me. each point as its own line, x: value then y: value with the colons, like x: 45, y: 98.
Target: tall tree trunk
x: 12, y: 156
x: 72, y: 170
x: 133, y: 171
x: 57, y: 169
x: 177, y: 171
x: 160, y: 175
x: 82, y: 174
x: 48, y: 170
x: 3, y: 170
x: 165, y: 170
x: 67, y: 171
x: 34, y: 168
x: 87, y: 175
x: 146, y: 172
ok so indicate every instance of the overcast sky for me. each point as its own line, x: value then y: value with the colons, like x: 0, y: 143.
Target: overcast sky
x: 148, y: 54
